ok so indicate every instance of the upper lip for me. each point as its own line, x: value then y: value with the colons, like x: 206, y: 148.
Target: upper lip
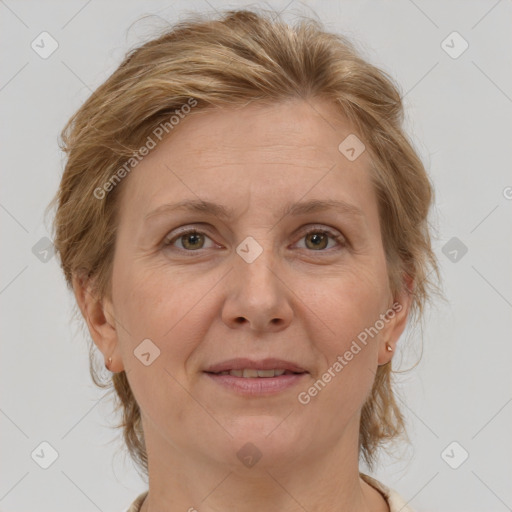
x: 262, y: 364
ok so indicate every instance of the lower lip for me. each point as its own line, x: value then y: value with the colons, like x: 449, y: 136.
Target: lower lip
x: 258, y: 386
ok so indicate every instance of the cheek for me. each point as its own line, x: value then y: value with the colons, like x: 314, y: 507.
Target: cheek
x: 146, y: 300
x: 353, y: 300
x: 351, y: 310
x: 152, y: 303
x: 149, y: 308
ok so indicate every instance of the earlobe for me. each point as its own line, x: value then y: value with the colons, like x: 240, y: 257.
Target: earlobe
x: 99, y: 319
x: 398, y: 315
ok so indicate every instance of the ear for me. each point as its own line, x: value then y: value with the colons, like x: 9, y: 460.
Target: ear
x: 98, y: 314
x: 397, y: 316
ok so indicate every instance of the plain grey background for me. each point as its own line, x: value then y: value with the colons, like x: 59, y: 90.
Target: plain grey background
x: 458, y: 107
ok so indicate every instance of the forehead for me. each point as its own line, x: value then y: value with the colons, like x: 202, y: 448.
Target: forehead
x: 312, y: 129
x: 263, y: 154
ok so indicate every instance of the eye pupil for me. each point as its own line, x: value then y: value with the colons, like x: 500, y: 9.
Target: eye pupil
x: 194, y: 237
x: 317, y: 239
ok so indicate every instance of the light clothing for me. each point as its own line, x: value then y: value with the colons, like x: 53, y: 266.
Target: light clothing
x: 395, y: 502
x: 135, y: 506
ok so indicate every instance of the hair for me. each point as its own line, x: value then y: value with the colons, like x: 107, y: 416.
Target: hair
x: 238, y: 57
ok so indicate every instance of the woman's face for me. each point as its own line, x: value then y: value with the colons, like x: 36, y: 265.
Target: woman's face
x: 255, y: 284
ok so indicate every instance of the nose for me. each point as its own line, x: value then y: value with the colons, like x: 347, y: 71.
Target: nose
x: 257, y: 297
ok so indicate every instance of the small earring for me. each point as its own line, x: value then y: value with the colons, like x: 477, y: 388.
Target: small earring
x: 107, y: 365
x: 389, y: 348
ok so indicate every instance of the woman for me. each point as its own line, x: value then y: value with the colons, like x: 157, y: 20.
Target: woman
x: 244, y: 225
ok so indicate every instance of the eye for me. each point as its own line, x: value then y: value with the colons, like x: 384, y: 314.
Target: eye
x: 191, y: 240
x: 317, y: 239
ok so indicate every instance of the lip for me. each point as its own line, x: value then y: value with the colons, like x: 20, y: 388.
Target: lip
x: 257, y: 386
x: 262, y: 364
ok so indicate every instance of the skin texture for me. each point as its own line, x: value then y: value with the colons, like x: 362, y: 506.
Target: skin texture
x: 297, y: 301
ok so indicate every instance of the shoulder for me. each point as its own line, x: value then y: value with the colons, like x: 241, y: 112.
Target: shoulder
x: 395, y: 501
x: 135, y: 506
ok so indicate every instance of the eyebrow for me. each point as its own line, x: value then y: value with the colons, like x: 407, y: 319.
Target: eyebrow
x: 293, y: 209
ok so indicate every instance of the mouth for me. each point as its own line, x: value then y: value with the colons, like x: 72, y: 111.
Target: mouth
x: 252, y: 368
x: 251, y: 373
x: 256, y: 378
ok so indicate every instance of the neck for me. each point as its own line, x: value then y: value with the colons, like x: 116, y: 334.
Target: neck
x: 324, y: 480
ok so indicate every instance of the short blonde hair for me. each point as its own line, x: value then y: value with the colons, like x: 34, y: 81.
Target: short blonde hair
x: 240, y: 57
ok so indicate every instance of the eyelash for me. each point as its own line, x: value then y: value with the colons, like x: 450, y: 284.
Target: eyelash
x: 342, y: 242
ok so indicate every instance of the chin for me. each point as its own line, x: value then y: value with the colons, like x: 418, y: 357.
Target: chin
x: 266, y: 437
